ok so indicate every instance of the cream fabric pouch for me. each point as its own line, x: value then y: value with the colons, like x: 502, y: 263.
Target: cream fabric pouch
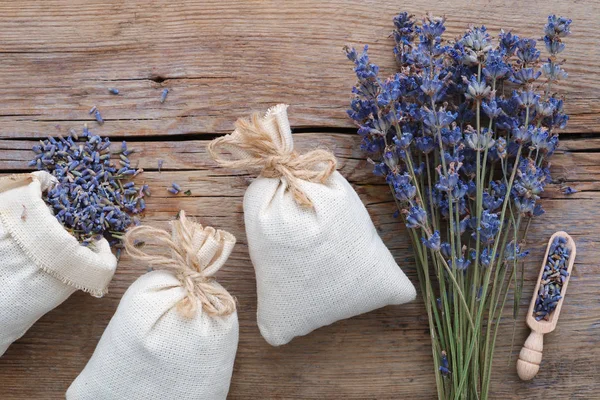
x: 317, y: 255
x: 41, y: 264
x: 175, y: 332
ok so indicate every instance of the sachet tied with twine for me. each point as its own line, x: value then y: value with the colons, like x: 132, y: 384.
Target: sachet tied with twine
x: 317, y: 255
x: 41, y: 264
x: 175, y: 332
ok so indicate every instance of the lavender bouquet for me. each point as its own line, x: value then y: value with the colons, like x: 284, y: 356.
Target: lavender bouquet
x: 463, y: 135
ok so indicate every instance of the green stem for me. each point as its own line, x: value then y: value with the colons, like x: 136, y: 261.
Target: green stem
x: 436, y: 352
x: 488, y: 272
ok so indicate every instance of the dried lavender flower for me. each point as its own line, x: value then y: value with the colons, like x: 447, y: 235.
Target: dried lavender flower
x: 175, y: 188
x: 163, y: 95
x: 553, y: 278
x: 98, y: 117
x: 113, y: 91
x: 93, y: 198
x: 463, y: 134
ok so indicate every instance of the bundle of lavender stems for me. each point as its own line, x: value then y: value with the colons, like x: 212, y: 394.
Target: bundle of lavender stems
x: 463, y: 134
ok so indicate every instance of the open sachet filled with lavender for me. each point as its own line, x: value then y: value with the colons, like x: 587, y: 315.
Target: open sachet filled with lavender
x: 57, y: 226
x: 317, y: 255
x: 41, y: 264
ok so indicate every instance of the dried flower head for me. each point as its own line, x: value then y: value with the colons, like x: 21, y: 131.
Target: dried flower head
x: 93, y: 197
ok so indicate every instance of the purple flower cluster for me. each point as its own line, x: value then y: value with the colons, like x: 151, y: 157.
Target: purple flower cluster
x: 554, y: 276
x: 94, y: 197
x: 463, y: 134
x: 463, y: 109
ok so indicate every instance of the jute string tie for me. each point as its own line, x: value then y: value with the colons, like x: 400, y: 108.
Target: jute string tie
x: 252, y: 147
x: 193, y: 266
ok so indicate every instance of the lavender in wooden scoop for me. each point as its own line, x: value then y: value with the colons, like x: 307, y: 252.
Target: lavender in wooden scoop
x: 547, y: 301
x: 554, y: 275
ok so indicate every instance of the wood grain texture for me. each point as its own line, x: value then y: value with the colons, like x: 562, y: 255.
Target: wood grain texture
x: 222, y: 59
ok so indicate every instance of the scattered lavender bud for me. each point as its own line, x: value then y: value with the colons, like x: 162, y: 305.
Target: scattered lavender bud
x: 113, y: 91
x: 160, y: 164
x: 569, y: 190
x: 173, y: 190
x: 176, y: 186
x: 93, y: 110
x: 163, y: 95
x: 98, y: 117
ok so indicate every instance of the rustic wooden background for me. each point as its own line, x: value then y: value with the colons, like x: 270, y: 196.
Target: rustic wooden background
x: 223, y: 59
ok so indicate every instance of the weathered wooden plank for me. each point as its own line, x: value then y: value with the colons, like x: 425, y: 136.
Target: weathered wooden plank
x: 573, y: 164
x: 222, y: 59
x: 384, y: 354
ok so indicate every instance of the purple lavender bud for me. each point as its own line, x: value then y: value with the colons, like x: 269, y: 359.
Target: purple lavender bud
x: 98, y: 117
x: 89, y: 189
x: 163, y: 95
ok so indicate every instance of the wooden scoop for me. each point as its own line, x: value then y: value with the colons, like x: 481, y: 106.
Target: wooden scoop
x: 530, y: 357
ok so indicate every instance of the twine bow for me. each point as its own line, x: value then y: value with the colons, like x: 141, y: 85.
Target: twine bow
x: 253, y: 147
x: 197, y: 253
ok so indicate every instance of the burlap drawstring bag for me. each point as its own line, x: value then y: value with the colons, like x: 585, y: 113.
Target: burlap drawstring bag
x: 317, y: 255
x: 41, y: 264
x: 175, y: 332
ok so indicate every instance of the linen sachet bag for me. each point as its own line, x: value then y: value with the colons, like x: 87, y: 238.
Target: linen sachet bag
x: 175, y: 332
x: 317, y: 255
x: 41, y: 264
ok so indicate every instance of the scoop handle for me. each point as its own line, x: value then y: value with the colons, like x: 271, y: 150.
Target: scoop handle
x: 530, y: 356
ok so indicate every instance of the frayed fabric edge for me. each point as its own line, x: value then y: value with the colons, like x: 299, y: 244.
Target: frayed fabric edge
x: 94, y: 292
